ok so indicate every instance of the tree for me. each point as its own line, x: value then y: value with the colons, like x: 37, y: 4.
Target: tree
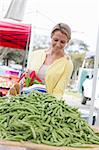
x: 8, y: 54
x: 77, y: 49
x: 77, y: 45
x: 77, y: 59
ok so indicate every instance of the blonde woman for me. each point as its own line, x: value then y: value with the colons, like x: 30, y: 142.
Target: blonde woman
x: 53, y: 66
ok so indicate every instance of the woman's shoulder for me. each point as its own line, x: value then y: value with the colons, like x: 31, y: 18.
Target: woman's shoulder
x: 68, y: 60
x: 67, y: 57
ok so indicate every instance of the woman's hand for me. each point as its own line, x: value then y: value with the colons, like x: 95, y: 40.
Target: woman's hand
x: 15, y: 89
x: 27, y: 73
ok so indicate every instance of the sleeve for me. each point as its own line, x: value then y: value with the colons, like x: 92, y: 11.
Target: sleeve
x: 59, y: 89
x: 36, y: 60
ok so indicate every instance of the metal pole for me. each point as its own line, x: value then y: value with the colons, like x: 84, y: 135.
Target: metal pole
x: 26, y: 50
x: 24, y: 61
x: 94, y: 80
x: 31, y: 46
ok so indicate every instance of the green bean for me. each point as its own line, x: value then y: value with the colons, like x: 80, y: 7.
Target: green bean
x: 41, y: 118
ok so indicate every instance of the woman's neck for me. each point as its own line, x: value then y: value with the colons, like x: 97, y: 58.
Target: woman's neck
x: 55, y: 53
x: 52, y: 56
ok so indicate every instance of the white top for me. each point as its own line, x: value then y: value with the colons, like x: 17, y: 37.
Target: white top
x: 42, y: 72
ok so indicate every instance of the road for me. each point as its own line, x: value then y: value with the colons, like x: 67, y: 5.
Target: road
x: 76, y: 101
x: 84, y: 109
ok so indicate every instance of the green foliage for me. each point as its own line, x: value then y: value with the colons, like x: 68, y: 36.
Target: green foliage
x: 77, y: 59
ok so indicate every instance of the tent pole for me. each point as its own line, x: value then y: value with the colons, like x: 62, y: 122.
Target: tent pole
x: 95, y: 72
x: 24, y: 61
x: 31, y: 46
x: 27, y: 46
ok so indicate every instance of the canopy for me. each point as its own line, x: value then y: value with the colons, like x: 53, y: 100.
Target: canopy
x: 14, y: 35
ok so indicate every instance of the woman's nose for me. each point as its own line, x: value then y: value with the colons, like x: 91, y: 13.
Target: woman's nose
x: 58, y: 44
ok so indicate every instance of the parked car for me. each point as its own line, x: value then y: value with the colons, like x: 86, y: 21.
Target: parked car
x: 87, y: 89
x: 86, y: 78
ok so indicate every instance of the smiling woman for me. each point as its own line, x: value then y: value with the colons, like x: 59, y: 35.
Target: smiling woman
x: 59, y: 66
x: 53, y: 66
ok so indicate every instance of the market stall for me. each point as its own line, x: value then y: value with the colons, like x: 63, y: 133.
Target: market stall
x: 17, y: 36
x: 39, y: 121
x: 14, y: 34
x: 42, y: 122
x: 8, y: 77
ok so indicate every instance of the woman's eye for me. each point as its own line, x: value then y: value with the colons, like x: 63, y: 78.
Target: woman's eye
x: 63, y: 42
x: 55, y: 40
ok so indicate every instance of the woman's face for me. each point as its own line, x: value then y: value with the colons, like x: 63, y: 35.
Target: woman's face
x: 58, y: 41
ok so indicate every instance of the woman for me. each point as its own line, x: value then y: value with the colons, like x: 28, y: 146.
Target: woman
x: 53, y: 66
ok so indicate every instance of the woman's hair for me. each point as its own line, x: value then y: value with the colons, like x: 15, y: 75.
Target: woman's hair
x: 64, y: 28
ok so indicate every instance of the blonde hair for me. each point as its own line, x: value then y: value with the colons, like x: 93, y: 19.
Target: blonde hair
x: 64, y: 28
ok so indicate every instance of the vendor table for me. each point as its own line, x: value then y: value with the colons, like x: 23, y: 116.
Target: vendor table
x: 9, y: 145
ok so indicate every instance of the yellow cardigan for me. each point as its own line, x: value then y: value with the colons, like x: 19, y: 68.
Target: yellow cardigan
x: 57, y: 75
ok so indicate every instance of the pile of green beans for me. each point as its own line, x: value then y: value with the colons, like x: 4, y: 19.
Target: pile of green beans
x: 41, y: 118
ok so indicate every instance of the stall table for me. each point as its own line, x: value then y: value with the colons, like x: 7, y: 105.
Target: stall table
x: 12, y: 145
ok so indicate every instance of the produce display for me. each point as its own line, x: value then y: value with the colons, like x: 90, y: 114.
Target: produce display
x: 6, y: 82
x: 30, y: 79
x: 8, y: 77
x: 41, y: 118
x: 24, y: 84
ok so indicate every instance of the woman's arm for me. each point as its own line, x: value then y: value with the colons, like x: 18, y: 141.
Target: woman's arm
x: 58, y: 77
x: 62, y: 83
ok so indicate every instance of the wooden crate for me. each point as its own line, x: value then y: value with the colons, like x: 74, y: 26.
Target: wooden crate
x: 10, y: 145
